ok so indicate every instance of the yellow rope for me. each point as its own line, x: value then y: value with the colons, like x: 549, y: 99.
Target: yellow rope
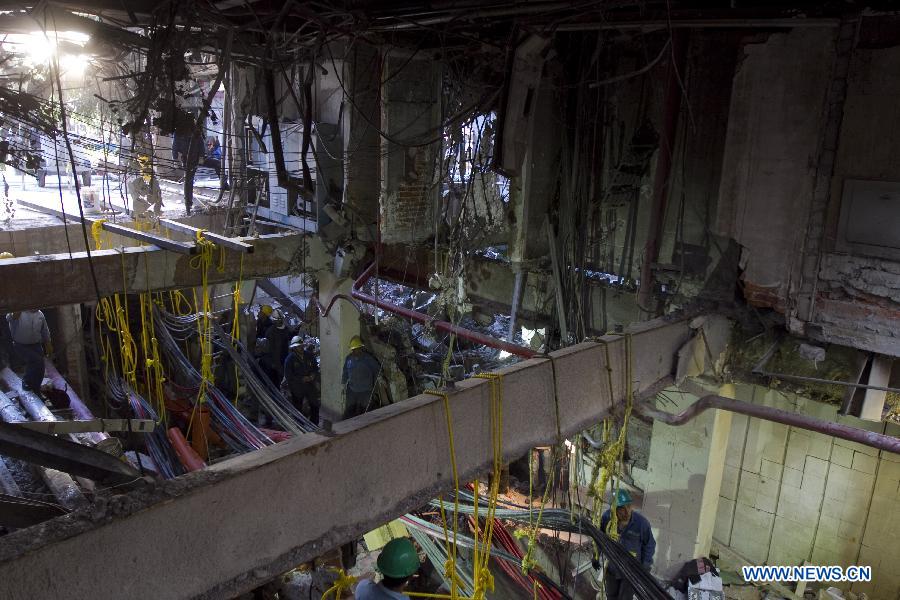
x: 607, y: 468
x: 450, y: 567
x: 342, y: 584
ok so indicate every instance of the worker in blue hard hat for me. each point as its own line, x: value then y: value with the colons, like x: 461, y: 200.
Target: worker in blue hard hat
x: 633, y: 532
x: 398, y: 562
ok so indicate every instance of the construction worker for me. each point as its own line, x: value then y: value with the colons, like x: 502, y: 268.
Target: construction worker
x: 397, y: 563
x: 278, y: 339
x: 29, y: 330
x: 358, y: 379
x: 635, y: 535
x: 301, y: 374
x: 264, y: 320
x: 6, y: 343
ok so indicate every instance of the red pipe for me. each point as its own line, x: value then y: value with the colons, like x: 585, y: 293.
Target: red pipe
x: 853, y: 434
x: 189, y: 459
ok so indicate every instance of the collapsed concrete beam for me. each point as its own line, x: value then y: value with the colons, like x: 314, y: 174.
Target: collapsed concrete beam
x: 54, y: 280
x: 222, y: 531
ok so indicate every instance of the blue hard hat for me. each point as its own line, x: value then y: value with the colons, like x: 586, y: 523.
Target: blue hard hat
x: 623, y: 498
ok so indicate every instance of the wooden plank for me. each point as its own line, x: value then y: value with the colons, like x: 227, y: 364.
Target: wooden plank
x: 221, y: 240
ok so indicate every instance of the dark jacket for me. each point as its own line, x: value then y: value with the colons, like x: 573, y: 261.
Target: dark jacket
x: 296, y: 369
x: 637, y: 538
x: 360, y: 372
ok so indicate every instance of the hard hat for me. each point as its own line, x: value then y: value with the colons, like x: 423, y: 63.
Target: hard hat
x: 266, y: 310
x: 398, y: 559
x: 4, y: 255
x: 296, y: 342
x: 623, y: 498
x: 356, y: 342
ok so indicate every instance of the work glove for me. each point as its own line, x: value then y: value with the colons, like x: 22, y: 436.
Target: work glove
x: 595, y: 562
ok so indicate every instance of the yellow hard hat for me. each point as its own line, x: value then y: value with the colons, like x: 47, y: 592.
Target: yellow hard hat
x: 356, y: 342
x: 4, y: 255
x: 266, y: 310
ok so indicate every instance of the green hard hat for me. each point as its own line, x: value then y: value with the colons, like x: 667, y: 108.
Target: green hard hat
x: 623, y: 498
x: 398, y: 559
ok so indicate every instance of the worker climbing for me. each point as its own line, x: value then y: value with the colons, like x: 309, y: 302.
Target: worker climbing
x: 634, y: 534
x: 397, y: 563
x: 360, y: 374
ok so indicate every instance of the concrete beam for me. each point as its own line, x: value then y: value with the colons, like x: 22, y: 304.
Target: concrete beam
x: 222, y: 531
x: 54, y: 280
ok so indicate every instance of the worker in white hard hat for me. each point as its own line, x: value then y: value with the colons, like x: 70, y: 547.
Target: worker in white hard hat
x: 361, y: 371
x: 301, y: 377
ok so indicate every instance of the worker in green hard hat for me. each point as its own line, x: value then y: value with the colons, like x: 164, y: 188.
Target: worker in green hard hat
x: 635, y: 535
x: 397, y: 563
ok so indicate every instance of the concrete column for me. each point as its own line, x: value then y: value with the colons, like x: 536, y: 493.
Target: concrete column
x: 68, y: 344
x: 360, y: 132
x: 718, y: 446
x: 335, y: 331
x: 410, y: 161
x: 531, y: 190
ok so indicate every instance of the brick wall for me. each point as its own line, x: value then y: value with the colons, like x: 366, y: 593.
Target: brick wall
x: 790, y: 495
x: 407, y: 212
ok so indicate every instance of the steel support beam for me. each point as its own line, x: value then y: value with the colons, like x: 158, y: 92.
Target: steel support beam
x: 220, y: 240
x: 245, y: 520
x: 54, y: 280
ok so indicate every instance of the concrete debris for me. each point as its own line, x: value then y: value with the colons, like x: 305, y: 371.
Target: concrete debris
x: 810, y: 352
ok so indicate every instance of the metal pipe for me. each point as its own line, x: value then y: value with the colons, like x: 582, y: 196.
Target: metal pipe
x: 61, y: 484
x: 468, y: 334
x: 517, y: 292
x: 768, y: 413
x: 662, y: 178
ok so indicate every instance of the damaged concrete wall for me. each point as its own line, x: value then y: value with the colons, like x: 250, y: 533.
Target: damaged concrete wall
x: 790, y: 495
x: 857, y: 299
x: 773, y: 135
x: 411, y: 113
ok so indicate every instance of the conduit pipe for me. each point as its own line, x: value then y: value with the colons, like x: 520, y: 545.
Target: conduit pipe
x: 468, y: 334
x: 768, y: 413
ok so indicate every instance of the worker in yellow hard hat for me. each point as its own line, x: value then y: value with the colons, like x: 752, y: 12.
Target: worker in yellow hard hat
x: 263, y: 320
x: 6, y: 345
x: 361, y: 371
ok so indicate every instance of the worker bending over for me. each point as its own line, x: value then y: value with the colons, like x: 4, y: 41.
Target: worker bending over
x: 29, y: 330
x: 398, y: 562
x: 636, y: 536
x: 358, y: 379
x: 301, y: 374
